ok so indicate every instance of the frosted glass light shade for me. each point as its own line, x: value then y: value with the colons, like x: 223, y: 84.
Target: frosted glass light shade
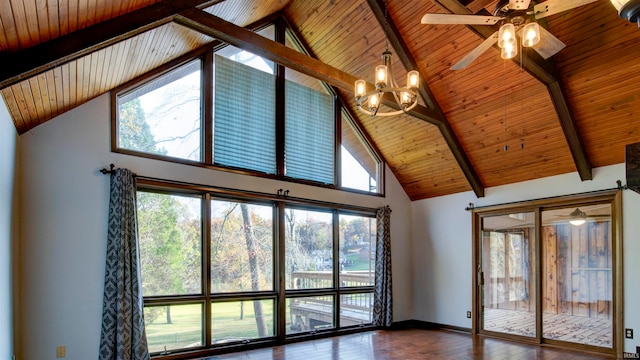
x: 509, y: 51
x: 360, y: 88
x: 530, y: 34
x: 374, y: 101
x: 506, y: 35
x: 413, y: 79
x: 381, y: 76
x: 405, y: 98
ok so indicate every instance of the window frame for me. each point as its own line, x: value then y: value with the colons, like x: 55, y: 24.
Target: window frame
x: 279, y: 294
x: 205, y: 55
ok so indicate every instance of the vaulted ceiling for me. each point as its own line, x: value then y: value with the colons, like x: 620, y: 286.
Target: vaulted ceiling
x: 494, y: 123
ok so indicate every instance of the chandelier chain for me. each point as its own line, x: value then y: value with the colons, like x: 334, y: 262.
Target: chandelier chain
x: 522, y: 60
x: 386, y: 26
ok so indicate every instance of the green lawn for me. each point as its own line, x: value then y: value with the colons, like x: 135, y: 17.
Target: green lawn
x: 186, y: 330
x: 230, y: 322
x: 357, y: 262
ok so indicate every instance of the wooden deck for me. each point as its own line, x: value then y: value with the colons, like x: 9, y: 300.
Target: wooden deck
x: 315, y: 312
x: 575, y: 329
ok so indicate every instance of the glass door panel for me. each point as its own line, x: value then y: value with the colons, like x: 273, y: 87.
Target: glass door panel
x: 508, y: 291
x: 577, y: 284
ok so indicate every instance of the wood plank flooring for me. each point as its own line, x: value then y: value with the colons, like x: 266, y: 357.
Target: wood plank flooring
x: 407, y: 345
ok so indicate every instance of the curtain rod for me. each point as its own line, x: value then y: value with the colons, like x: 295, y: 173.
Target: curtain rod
x: 112, y: 170
x: 619, y: 187
x: 222, y: 191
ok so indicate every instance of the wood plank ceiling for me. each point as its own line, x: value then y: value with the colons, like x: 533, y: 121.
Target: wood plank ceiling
x: 494, y: 123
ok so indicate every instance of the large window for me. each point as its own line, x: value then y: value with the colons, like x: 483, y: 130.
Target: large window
x: 211, y: 265
x: 233, y: 110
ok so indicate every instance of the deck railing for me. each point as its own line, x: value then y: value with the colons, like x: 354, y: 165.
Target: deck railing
x: 313, y: 312
x: 324, y: 279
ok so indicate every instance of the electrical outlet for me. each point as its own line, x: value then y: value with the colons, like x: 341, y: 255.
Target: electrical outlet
x: 61, y: 351
x: 468, y: 314
x: 628, y: 333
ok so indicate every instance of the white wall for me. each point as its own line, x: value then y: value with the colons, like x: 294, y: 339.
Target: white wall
x: 65, y: 200
x: 442, y: 243
x: 8, y: 139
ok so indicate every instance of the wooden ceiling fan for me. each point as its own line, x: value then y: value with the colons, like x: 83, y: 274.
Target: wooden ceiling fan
x: 518, y: 22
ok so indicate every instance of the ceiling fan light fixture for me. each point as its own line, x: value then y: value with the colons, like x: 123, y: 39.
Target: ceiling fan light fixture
x: 531, y: 34
x: 509, y: 51
x: 506, y: 36
x: 577, y: 217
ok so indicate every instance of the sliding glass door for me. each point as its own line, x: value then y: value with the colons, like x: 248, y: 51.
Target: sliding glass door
x: 547, y: 272
x: 577, y: 284
x: 508, y: 294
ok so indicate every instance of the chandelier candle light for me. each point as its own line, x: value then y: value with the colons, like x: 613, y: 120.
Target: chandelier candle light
x: 406, y: 98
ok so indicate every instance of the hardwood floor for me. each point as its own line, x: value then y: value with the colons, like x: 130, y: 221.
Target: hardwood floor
x: 407, y: 345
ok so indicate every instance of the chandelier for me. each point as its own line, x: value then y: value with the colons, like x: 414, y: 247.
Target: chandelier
x: 406, y: 98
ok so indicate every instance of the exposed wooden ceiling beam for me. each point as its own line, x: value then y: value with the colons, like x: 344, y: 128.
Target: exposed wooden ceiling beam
x: 230, y: 33
x: 45, y: 56
x: 409, y: 62
x: 546, y: 72
x: 242, y: 38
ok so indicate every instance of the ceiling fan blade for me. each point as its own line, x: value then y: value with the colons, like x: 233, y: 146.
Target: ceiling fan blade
x: 551, y: 7
x: 475, y: 53
x: 459, y: 19
x: 549, y: 45
x: 519, y: 4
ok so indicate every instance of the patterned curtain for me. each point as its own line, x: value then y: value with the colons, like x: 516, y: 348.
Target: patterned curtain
x: 123, y: 336
x: 382, y: 299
